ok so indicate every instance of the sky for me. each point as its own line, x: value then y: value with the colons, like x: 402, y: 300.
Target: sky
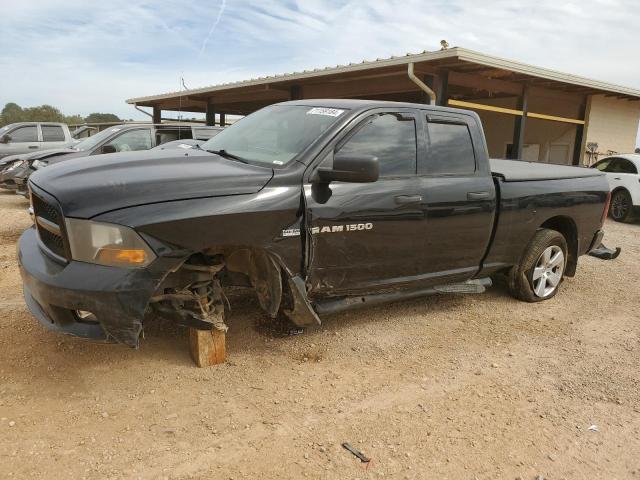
x: 84, y: 56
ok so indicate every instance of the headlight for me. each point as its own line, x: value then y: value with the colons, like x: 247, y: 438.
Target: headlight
x: 107, y: 244
x: 15, y: 165
x: 39, y: 164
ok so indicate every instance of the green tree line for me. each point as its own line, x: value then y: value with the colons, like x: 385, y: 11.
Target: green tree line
x: 12, y: 113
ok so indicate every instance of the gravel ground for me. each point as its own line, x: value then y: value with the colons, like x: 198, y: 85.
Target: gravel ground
x: 446, y: 387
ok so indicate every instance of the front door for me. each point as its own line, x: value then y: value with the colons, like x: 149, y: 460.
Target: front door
x: 362, y: 236
x: 22, y: 139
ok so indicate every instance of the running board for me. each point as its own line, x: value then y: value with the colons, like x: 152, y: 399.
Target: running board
x: 470, y: 286
x: 346, y: 303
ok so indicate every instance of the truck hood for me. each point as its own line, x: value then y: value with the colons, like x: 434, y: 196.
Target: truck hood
x: 89, y: 186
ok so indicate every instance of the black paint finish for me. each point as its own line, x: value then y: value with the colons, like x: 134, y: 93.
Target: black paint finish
x: 403, y: 233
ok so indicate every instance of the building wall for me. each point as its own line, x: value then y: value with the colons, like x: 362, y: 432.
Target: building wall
x: 612, y: 123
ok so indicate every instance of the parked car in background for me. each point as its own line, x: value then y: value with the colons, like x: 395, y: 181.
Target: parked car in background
x: 27, y: 137
x: 121, y: 138
x: 624, y: 182
x: 84, y: 131
x: 187, y: 144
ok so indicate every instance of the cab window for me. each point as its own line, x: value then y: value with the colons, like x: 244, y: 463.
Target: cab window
x: 52, y: 133
x: 389, y: 136
x: 450, y: 149
x: 24, y: 134
x: 132, y: 140
x: 603, y: 165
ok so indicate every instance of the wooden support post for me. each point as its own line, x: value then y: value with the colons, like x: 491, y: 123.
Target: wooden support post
x: 440, y: 85
x: 519, y: 125
x: 442, y: 88
x: 210, y: 115
x: 223, y: 120
x: 207, y: 347
x: 578, y: 155
x: 157, y: 115
x: 295, y: 92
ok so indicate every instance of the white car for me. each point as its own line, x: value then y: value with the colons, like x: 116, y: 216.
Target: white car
x: 624, y: 181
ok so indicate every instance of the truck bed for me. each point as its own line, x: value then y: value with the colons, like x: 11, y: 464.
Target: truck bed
x: 521, y: 171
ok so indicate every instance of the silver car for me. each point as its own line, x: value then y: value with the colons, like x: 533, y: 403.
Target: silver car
x: 27, y: 137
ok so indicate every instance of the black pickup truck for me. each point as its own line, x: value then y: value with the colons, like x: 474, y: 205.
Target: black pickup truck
x: 318, y: 205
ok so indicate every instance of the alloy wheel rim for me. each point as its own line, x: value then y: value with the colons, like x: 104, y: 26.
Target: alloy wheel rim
x: 619, y: 206
x: 548, y: 271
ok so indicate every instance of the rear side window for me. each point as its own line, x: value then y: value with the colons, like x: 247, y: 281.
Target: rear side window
x: 24, y: 134
x: 622, y: 165
x: 52, y: 133
x: 164, y: 135
x: 205, y: 133
x: 450, y: 149
x: 390, y: 137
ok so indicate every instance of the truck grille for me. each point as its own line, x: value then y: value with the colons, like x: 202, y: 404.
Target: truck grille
x: 50, y: 224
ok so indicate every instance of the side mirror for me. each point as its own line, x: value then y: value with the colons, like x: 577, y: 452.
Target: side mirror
x: 108, y: 149
x: 350, y: 168
x: 5, y: 138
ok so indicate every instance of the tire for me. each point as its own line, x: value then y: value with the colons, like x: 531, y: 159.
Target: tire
x: 621, y: 209
x: 541, y: 269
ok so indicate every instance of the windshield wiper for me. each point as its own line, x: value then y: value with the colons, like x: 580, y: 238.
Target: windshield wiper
x: 225, y: 154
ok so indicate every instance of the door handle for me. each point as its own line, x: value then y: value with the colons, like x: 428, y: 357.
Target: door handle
x: 33, y: 146
x: 478, y: 195
x: 406, y: 199
x: 617, y: 178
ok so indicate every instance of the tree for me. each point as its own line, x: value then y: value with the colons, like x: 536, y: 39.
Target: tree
x: 73, y: 120
x: 11, y: 113
x: 101, y: 118
x: 43, y: 113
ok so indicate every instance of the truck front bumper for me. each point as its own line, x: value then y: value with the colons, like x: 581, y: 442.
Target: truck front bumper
x: 55, y: 292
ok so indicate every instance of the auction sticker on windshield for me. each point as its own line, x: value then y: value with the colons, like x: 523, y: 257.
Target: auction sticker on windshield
x: 330, y: 112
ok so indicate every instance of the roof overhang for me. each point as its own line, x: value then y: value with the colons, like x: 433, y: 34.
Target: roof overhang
x: 384, y: 78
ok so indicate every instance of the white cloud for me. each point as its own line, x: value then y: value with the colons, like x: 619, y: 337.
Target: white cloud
x: 87, y: 56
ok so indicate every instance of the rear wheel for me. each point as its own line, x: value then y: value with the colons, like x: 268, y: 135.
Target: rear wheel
x: 621, y: 208
x: 541, y: 269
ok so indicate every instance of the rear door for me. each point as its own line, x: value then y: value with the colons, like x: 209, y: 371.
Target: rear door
x: 459, y: 197
x: 362, y: 236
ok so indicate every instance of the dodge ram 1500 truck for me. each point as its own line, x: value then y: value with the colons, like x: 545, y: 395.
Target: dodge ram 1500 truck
x: 319, y: 205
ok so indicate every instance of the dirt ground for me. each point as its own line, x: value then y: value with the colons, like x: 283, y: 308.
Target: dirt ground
x: 447, y: 387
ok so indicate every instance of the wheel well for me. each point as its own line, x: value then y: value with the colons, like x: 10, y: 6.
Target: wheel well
x: 617, y: 189
x: 567, y: 227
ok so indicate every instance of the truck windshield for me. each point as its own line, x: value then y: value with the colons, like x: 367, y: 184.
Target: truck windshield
x: 273, y: 135
x: 91, y: 142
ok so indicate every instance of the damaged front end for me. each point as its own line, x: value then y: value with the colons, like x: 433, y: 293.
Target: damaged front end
x: 192, y: 297
x: 69, y: 290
